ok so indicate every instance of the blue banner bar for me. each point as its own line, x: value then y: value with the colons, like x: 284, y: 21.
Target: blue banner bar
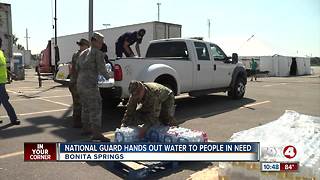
x: 210, y: 147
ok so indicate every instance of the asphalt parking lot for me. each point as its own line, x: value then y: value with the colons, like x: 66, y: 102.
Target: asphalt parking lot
x: 45, y: 115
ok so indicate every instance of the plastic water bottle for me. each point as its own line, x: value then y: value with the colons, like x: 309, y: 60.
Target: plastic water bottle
x: 175, y: 134
x: 127, y: 134
x: 101, y: 79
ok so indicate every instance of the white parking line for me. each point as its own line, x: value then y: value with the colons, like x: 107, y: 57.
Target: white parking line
x: 21, y: 91
x: 55, y: 102
x: 27, y: 87
x: 11, y: 154
x: 270, y: 85
x: 13, y: 92
x: 33, y: 90
x: 35, y: 98
x: 254, y: 104
x: 40, y: 112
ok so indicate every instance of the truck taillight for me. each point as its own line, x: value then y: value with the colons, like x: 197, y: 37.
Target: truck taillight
x: 70, y: 68
x: 117, y: 72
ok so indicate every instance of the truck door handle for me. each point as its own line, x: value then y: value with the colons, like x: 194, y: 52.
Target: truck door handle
x: 198, y: 67
x: 214, y: 67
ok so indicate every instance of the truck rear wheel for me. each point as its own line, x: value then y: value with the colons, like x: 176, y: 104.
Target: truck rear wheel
x: 111, y: 103
x: 238, y: 90
x: 169, y: 86
x: 108, y: 100
x: 168, y: 81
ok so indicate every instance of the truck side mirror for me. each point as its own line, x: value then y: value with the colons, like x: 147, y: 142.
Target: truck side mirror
x: 235, y: 58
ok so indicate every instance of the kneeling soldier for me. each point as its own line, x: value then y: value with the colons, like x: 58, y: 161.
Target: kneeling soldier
x: 155, y: 105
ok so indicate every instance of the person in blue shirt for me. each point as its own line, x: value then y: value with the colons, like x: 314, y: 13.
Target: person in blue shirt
x: 126, y: 40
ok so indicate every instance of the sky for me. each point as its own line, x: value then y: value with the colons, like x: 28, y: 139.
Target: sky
x: 287, y: 27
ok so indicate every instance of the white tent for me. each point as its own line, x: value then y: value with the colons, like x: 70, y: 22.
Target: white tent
x: 279, y: 65
x: 266, y: 56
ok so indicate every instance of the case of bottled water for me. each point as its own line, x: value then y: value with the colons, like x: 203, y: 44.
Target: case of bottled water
x: 298, y: 130
x: 175, y: 134
x: 128, y: 134
x: 101, y: 79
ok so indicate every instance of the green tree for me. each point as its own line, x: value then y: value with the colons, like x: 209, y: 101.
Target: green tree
x: 14, y: 40
x: 20, y: 47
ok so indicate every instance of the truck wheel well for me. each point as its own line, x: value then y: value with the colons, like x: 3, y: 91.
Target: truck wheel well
x: 242, y: 75
x: 168, y: 80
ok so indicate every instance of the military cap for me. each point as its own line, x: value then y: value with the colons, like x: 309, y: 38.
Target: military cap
x: 83, y: 42
x: 98, y: 36
x: 134, y: 86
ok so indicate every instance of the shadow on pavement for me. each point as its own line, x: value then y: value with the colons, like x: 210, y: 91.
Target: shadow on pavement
x: 194, y: 166
x: 187, y: 108
x: 38, y: 94
x: 203, y: 107
x: 159, y: 173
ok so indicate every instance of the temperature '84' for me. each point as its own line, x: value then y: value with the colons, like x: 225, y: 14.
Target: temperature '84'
x: 289, y: 166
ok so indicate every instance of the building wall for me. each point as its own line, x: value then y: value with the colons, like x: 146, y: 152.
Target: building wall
x: 154, y: 30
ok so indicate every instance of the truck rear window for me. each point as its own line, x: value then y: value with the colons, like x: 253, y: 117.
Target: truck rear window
x: 168, y: 50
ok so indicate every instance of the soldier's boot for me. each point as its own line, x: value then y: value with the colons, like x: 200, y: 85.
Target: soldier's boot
x: 172, y: 121
x: 77, y: 121
x: 86, y: 130
x: 97, y: 135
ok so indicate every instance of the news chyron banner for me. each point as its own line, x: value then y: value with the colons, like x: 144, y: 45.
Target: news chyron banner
x: 211, y: 151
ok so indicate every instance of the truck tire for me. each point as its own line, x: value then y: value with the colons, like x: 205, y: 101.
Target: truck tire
x: 108, y: 101
x: 111, y: 102
x: 238, y: 90
x: 168, y: 85
x: 168, y: 81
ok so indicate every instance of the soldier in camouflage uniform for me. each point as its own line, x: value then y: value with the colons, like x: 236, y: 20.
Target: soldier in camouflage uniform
x: 156, y: 105
x: 83, y: 44
x: 90, y: 65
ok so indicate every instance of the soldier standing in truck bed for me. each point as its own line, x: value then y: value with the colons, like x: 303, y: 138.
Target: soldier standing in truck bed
x: 90, y: 65
x: 156, y: 105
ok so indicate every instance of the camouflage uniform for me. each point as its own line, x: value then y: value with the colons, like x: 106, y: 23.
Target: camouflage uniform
x: 73, y: 89
x: 156, y: 107
x: 90, y: 64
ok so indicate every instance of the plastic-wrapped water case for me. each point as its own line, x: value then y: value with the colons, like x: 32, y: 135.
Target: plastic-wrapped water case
x: 101, y: 79
x: 128, y: 134
x: 175, y: 134
x: 294, y: 129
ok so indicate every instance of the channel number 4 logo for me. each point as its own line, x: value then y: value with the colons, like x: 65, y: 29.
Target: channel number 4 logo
x: 289, y: 152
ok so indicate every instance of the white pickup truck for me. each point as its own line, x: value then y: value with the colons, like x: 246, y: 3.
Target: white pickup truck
x: 184, y: 65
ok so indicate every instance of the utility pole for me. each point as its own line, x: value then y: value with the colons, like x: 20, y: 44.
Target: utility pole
x: 56, y: 49
x: 209, y: 28
x: 27, y: 37
x: 55, y: 23
x: 158, y: 4
x: 90, y: 18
